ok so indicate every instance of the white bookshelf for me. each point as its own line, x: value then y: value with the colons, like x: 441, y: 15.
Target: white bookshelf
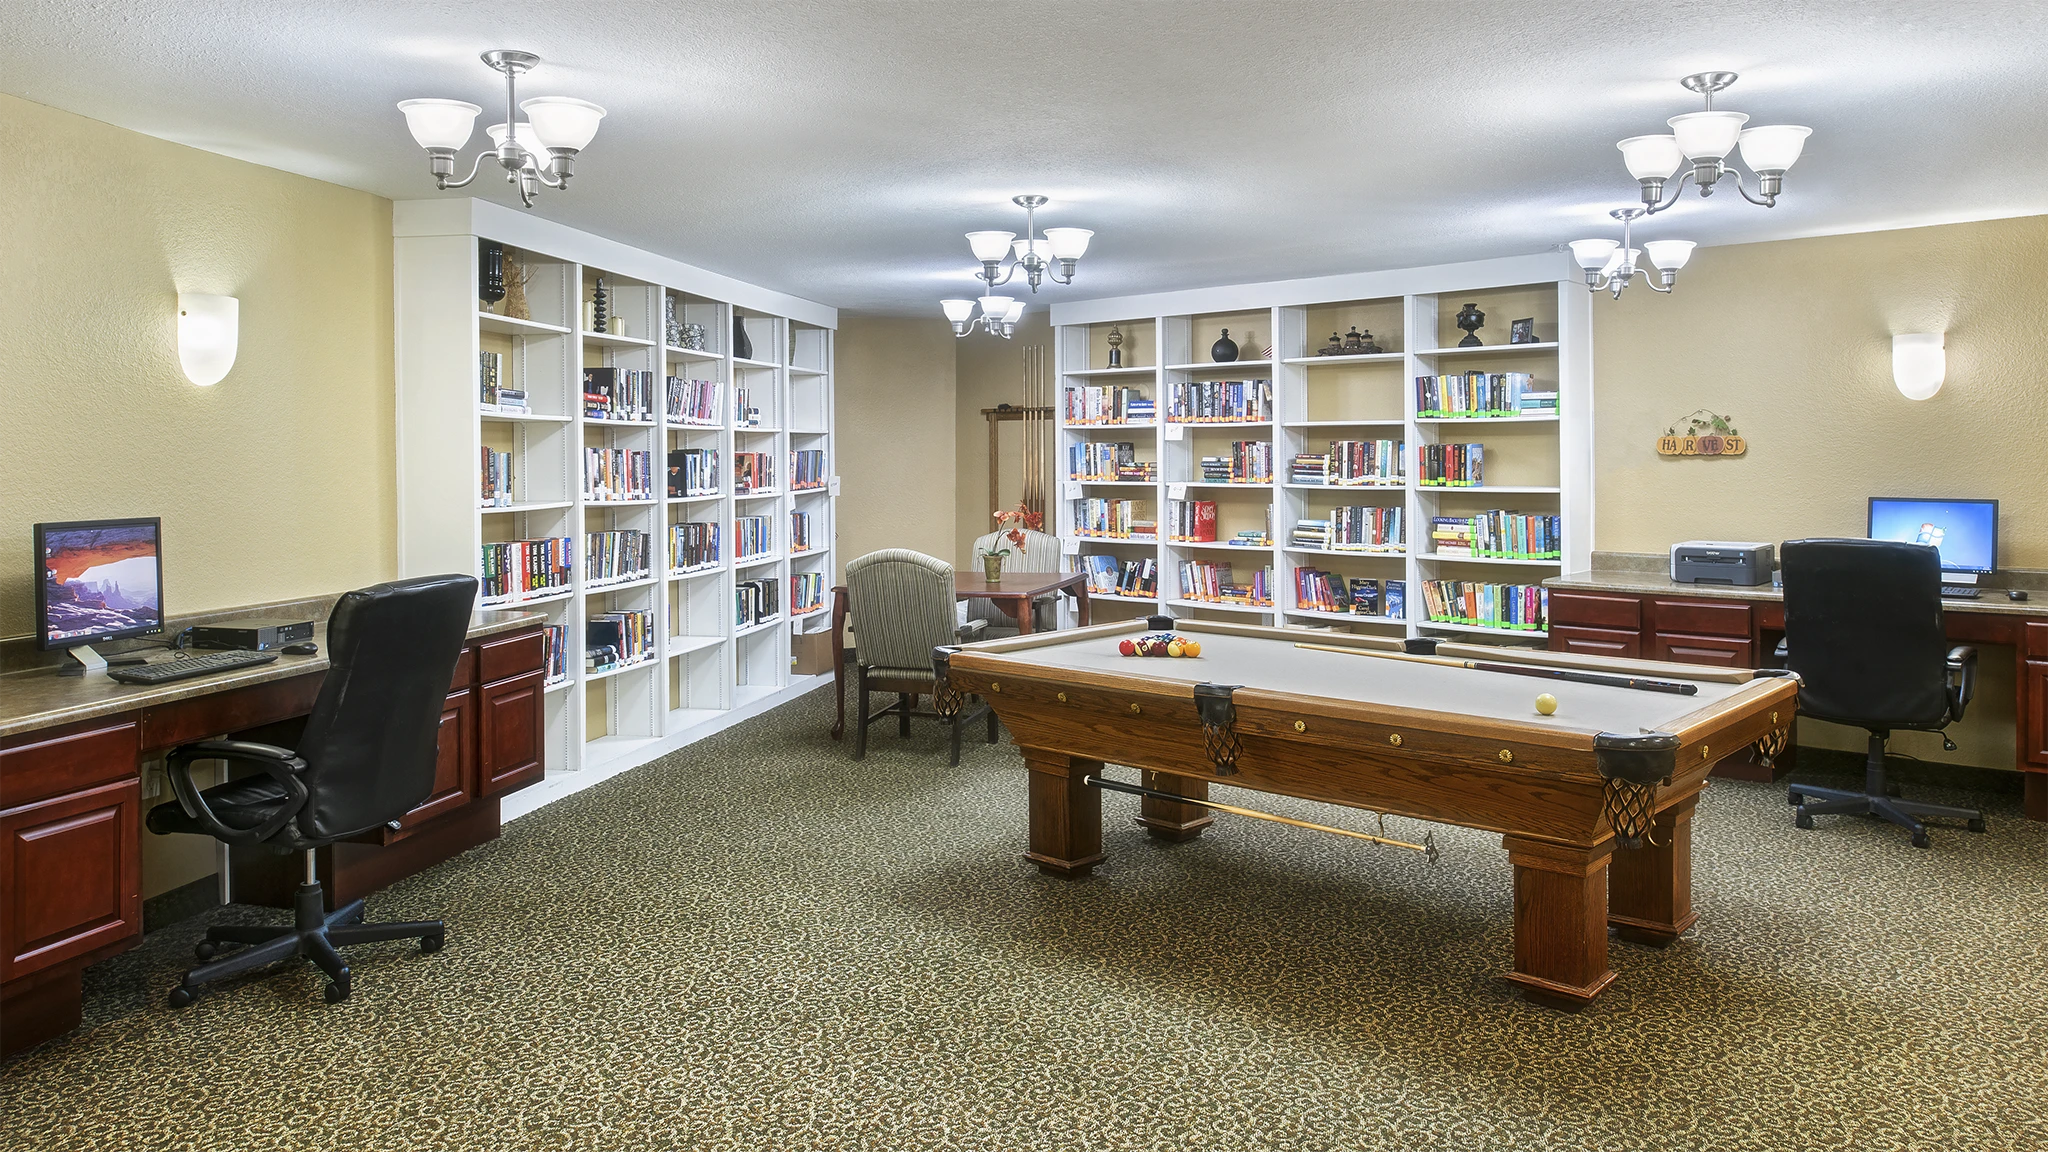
x: 704, y: 671
x: 1538, y: 464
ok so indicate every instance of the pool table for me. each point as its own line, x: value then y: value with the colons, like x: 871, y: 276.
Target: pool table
x: 1396, y: 727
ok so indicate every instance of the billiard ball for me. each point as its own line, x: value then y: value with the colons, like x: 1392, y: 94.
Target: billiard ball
x: 1546, y: 704
x: 1191, y: 648
x: 1174, y: 647
x: 1127, y: 648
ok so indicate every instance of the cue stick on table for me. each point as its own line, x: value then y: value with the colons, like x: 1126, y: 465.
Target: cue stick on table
x: 1427, y: 848
x: 1675, y: 687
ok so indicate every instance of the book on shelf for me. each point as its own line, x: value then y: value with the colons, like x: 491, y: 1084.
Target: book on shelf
x: 1191, y: 521
x: 693, y: 401
x: 497, y: 479
x: 1516, y: 607
x: 615, y: 557
x: 618, y: 394
x: 614, y: 474
x: 1355, y: 528
x: 807, y: 469
x: 692, y: 472
x: 806, y: 592
x: 755, y: 601
x: 800, y: 538
x: 1364, y: 597
x: 1102, y: 461
x: 1482, y: 395
x: 1112, y: 519
x: 1217, y: 584
x: 745, y: 413
x: 1394, y: 599
x: 615, y: 639
x: 492, y: 393
x: 1497, y: 534
x: 1108, y: 576
x: 753, y: 472
x: 1107, y: 404
x: 692, y: 544
x: 1354, y: 463
x: 523, y: 569
x: 554, y: 654
x: 1452, y: 465
x: 1250, y: 538
x: 1249, y: 462
x: 752, y: 536
x: 1219, y: 401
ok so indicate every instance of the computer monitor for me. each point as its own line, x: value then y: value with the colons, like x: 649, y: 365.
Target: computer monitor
x: 1965, y: 532
x: 97, y: 580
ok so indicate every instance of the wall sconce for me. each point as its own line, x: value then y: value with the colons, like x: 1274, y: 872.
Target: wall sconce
x: 1918, y: 364
x: 209, y: 328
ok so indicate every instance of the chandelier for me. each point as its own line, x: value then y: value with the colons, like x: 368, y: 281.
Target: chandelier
x: 1612, y: 266
x: 1706, y: 138
x: 561, y: 125
x: 1033, y: 254
x: 999, y: 315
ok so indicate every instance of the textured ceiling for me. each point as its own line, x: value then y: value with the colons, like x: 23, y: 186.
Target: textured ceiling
x: 838, y: 150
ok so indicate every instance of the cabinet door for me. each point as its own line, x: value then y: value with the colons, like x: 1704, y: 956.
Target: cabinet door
x: 2034, y: 712
x: 70, y: 876
x: 1595, y: 641
x: 511, y: 731
x: 1703, y: 650
x: 454, y: 761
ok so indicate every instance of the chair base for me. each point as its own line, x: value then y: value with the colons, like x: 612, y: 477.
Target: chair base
x: 315, y: 933
x: 1878, y: 798
x: 905, y: 709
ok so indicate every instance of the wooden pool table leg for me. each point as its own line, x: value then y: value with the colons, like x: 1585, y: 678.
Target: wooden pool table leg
x: 1166, y: 820
x: 1560, y: 921
x: 1066, y: 814
x: 1649, y: 889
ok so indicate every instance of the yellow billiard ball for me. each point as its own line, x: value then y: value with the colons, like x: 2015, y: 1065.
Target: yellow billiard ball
x: 1546, y: 704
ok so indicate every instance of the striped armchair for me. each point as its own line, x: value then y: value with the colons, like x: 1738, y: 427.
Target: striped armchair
x: 1041, y: 553
x: 901, y: 603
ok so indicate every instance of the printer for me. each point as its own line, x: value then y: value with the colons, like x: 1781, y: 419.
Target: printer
x: 1721, y: 562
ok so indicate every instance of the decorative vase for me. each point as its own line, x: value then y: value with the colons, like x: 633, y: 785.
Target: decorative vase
x: 671, y: 328
x: 992, y: 566
x: 516, y: 276
x: 1224, y: 350
x: 1115, y: 341
x: 1470, y: 319
x: 1334, y: 348
x: 490, y: 271
x: 600, y: 307
x: 692, y: 338
x: 742, y: 348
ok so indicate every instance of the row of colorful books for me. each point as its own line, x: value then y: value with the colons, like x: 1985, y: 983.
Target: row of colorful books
x: 1114, y: 519
x: 497, y: 478
x: 693, y: 402
x: 615, y: 639
x: 1351, y: 462
x: 1360, y: 528
x: 1191, y: 521
x: 807, y: 468
x: 618, y: 394
x: 1319, y: 591
x: 752, y: 536
x: 1217, y: 584
x: 613, y: 474
x: 753, y: 472
x: 616, y: 557
x: 1108, y: 576
x: 1498, y: 534
x: 800, y: 539
x: 692, y: 472
x: 756, y: 600
x: 492, y: 392
x: 523, y: 569
x: 1482, y: 395
x: 1101, y: 460
x: 1249, y: 462
x: 692, y: 544
x: 745, y: 413
x: 554, y: 655
x: 1100, y: 404
x: 1219, y: 401
x: 806, y: 592
x: 1452, y: 465
x: 1523, y: 607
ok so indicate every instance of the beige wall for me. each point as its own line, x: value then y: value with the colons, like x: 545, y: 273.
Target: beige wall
x: 991, y: 371
x: 896, y: 405
x: 277, y: 481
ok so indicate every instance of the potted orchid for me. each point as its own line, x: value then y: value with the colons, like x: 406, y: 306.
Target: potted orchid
x: 1012, y: 524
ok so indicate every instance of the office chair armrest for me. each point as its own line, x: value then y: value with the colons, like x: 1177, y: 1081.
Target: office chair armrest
x: 1782, y: 650
x: 280, y: 764
x: 1962, y: 678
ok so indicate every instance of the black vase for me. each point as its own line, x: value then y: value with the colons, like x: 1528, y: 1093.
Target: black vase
x: 742, y: 348
x: 490, y: 270
x: 1224, y: 350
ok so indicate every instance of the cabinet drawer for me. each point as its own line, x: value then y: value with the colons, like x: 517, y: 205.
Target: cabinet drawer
x: 1595, y: 641
x: 70, y: 876
x: 465, y: 671
x: 2037, y: 641
x: 60, y: 764
x: 511, y: 731
x: 509, y: 656
x: 1700, y: 617
x: 1717, y: 650
x: 1589, y: 611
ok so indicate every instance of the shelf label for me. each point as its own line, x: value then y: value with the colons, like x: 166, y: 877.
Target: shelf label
x: 1176, y: 491
x: 835, y: 486
x: 1071, y: 490
x: 1069, y: 546
x: 1176, y: 431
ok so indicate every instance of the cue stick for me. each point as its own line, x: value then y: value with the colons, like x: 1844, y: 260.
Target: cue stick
x: 1640, y: 684
x: 1428, y: 849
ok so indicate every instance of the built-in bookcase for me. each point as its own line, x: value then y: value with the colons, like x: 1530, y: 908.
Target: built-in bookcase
x: 702, y: 667
x: 1537, y: 464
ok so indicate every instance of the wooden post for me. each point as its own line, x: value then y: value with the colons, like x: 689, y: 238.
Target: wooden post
x: 1560, y: 921
x: 1066, y: 814
x: 1649, y: 889
x: 1166, y: 820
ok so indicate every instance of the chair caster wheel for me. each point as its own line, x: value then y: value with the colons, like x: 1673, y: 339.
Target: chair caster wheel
x: 181, y: 997
x: 432, y: 944
x: 1802, y: 819
x: 1795, y: 799
x: 338, y: 990
x: 206, y: 950
x: 1977, y: 826
x: 1920, y: 840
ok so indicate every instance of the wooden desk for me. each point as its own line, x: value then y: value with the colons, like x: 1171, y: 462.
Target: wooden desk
x: 1647, y: 615
x: 71, y: 804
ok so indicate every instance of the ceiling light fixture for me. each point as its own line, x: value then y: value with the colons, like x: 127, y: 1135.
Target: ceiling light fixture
x: 999, y: 315
x: 562, y: 125
x: 1612, y: 266
x: 1706, y: 138
x: 1033, y: 253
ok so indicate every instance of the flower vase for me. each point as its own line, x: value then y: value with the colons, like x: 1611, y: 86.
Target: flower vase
x: 992, y: 567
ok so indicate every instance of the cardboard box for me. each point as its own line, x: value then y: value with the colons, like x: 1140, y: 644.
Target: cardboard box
x: 810, y: 653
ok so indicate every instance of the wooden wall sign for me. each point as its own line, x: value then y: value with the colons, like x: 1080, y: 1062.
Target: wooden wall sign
x: 1705, y: 434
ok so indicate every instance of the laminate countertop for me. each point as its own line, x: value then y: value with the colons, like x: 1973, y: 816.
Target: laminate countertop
x: 38, y: 698
x: 1637, y: 582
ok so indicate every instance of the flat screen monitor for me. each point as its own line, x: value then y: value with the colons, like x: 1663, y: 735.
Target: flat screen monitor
x: 98, y: 580
x: 1965, y: 532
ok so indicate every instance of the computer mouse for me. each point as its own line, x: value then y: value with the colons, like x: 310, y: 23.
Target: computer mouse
x: 302, y: 648
x: 2015, y: 594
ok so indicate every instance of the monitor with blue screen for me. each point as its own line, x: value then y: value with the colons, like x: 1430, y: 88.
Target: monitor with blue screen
x: 1964, y: 531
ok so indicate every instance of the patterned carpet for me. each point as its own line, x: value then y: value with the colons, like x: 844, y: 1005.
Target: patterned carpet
x: 758, y: 944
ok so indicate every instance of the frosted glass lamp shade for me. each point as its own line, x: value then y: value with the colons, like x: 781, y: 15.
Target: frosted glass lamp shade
x: 1707, y: 135
x: 1015, y: 312
x: 1039, y: 248
x: 957, y: 310
x: 1651, y: 157
x: 990, y: 247
x: 1593, y: 254
x: 209, y: 330
x: 1669, y: 255
x: 1619, y: 258
x: 1068, y: 243
x: 562, y: 121
x: 1773, y: 147
x: 525, y: 138
x: 1919, y: 363
x: 996, y: 307
x: 440, y: 123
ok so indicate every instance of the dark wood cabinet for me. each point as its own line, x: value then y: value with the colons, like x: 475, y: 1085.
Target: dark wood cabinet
x: 511, y: 732
x: 2033, y: 720
x: 71, y: 870
x: 1717, y: 650
x: 454, y: 764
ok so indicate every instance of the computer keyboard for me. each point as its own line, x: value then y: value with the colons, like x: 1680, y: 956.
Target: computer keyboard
x: 1958, y: 591
x: 192, y: 664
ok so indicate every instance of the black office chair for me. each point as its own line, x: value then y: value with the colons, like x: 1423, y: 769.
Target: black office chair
x: 1863, y: 630
x: 366, y: 758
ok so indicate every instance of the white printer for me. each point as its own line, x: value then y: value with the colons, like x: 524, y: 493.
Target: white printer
x: 1721, y: 562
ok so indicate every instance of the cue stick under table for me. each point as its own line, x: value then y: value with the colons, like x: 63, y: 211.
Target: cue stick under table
x: 1543, y: 672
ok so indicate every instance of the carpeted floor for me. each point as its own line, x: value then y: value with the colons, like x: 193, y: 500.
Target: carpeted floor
x: 758, y: 944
